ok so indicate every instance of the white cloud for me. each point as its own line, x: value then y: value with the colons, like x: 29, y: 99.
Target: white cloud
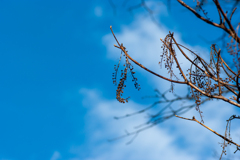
x: 151, y: 144
x: 176, y: 139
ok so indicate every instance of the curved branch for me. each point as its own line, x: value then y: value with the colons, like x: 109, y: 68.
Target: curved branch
x: 194, y: 119
x: 199, y: 16
x: 140, y: 65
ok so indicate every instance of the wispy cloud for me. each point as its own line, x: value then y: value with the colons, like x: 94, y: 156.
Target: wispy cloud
x: 151, y: 144
x: 176, y: 139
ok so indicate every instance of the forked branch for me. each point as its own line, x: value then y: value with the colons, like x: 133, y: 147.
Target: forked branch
x: 200, y: 80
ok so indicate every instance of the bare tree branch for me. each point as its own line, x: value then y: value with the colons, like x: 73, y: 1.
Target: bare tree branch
x: 207, y: 80
x: 223, y: 137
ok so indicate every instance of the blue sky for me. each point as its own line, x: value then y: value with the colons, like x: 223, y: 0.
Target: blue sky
x: 57, y: 99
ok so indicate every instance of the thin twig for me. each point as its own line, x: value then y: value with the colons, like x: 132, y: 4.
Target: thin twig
x: 194, y: 119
